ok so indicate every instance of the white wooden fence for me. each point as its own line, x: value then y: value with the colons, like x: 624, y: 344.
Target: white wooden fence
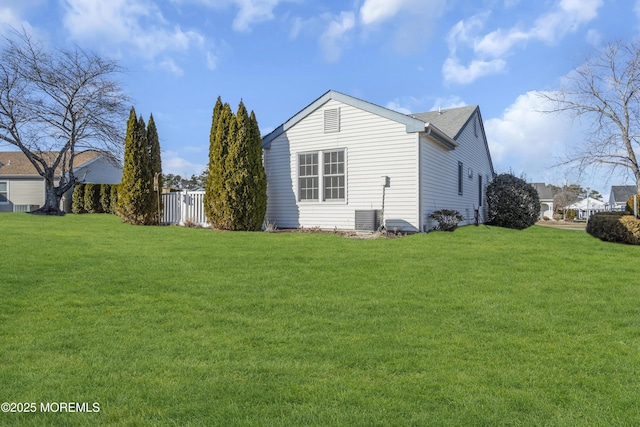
x: 184, y: 206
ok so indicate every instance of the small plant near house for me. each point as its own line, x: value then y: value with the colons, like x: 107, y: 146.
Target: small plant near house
x: 447, y: 219
x: 270, y: 226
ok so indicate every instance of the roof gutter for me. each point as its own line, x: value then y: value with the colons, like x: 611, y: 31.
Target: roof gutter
x: 437, y: 135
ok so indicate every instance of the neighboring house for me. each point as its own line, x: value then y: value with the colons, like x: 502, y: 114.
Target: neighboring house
x: 619, y: 196
x: 586, y: 207
x: 545, y: 194
x: 345, y: 163
x: 22, y: 189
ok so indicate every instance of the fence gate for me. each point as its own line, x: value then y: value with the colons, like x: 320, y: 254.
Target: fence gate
x: 184, y: 206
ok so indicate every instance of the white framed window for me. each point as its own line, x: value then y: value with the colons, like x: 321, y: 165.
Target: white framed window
x: 4, y: 192
x: 324, y: 182
x: 308, y: 176
x: 333, y: 175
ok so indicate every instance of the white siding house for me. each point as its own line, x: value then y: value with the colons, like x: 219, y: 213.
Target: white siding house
x: 342, y: 158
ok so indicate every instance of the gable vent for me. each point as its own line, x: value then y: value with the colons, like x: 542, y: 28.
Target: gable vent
x: 332, y: 120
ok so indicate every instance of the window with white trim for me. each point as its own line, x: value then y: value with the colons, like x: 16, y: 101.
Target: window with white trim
x: 4, y: 192
x: 308, y: 176
x: 333, y: 175
x: 326, y: 182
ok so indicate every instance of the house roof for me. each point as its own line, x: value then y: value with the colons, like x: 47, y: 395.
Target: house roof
x: 544, y: 192
x: 17, y: 163
x: 413, y: 124
x: 621, y: 193
x: 450, y: 121
x: 589, y: 201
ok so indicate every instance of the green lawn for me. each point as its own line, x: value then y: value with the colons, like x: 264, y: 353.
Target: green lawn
x: 174, y: 326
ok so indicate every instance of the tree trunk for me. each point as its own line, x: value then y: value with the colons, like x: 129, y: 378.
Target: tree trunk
x: 51, y: 197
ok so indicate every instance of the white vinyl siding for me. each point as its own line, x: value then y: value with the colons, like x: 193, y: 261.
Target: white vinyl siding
x: 439, y: 175
x: 374, y: 147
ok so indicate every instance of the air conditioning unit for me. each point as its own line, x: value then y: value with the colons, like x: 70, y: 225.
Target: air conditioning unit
x: 368, y: 220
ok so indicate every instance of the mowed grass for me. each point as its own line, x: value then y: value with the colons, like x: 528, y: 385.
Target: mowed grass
x: 173, y: 326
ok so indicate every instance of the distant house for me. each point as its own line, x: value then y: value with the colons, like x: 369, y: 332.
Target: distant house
x: 345, y: 163
x: 619, y: 195
x: 545, y: 194
x: 586, y: 207
x: 22, y: 189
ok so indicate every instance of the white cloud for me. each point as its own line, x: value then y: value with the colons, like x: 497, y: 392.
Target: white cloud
x: 449, y: 102
x: 375, y: 11
x: 334, y: 38
x: 170, y: 65
x: 135, y: 24
x: 526, y: 140
x: 490, y: 50
x: 253, y: 11
x: 594, y: 38
x: 453, y: 71
x: 396, y: 106
x: 173, y: 163
x: 410, y: 19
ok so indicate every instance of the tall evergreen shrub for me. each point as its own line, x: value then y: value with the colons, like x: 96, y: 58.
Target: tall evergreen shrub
x: 235, y: 196
x: 92, y: 198
x: 77, y: 199
x: 105, y: 198
x: 135, y: 194
x: 155, y: 165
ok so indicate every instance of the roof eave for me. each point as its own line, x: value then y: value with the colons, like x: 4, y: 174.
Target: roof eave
x: 412, y: 125
x: 440, y: 137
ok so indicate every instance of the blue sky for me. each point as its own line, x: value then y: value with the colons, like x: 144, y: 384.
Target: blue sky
x: 280, y: 55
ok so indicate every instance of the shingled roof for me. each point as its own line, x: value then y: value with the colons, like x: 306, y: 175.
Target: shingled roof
x: 16, y: 163
x: 450, y: 121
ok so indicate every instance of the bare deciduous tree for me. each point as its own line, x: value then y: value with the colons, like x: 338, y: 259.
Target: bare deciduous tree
x: 55, y: 104
x: 605, y: 90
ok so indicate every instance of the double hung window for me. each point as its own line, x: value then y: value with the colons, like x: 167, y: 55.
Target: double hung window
x: 330, y: 175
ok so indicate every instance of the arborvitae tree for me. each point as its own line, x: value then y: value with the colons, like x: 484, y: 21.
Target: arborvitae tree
x: 235, y: 196
x: 105, y: 198
x: 77, y: 199
x: 246, y: 190
x: 113, y: 198
x: 134, y: 194
x: 155, y: 163
x: 215, y: 202
x: 258, y: 200
x: 92, y: 198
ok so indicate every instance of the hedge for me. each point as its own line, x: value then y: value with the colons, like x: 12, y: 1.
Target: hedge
x: 619, y: 227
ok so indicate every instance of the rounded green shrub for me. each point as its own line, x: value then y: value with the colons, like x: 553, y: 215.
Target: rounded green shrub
x: 512, y: 202
x: 77, y: 199
x: 618, y: 227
